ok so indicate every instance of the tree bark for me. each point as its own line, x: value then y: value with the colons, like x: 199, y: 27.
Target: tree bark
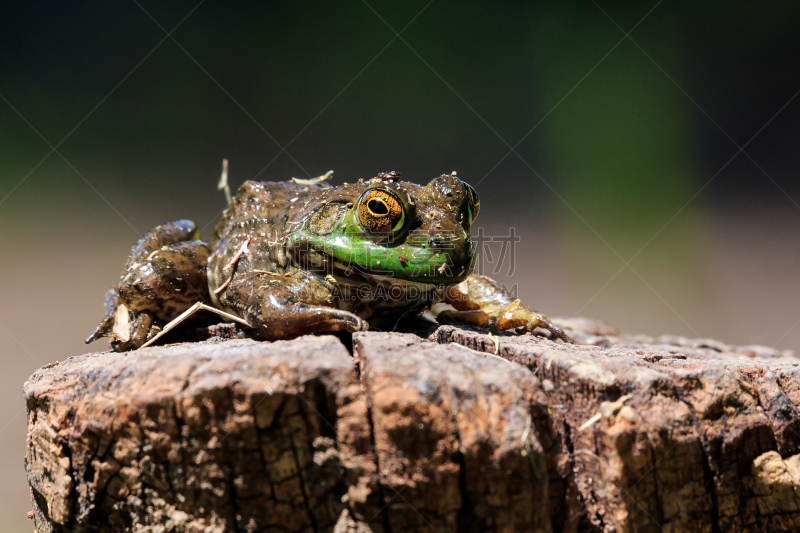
x: 458, y: 432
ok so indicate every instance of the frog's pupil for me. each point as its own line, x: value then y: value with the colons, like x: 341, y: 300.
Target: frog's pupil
x: 378, y: 207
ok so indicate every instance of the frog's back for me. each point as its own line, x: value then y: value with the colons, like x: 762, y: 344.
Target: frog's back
x: 260, y: 206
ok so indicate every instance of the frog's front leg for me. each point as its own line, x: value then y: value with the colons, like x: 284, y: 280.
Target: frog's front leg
x: 480, y: 301
x: 284, y: 306
x: 164, y: 276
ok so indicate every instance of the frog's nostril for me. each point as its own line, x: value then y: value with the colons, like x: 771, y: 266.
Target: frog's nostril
x: 435, y: 243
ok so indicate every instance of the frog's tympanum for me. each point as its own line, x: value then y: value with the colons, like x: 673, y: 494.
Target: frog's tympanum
x: 292, y: 259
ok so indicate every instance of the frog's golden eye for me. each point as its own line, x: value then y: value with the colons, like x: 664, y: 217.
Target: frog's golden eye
x: 380, y: 211
x: 474, y: 202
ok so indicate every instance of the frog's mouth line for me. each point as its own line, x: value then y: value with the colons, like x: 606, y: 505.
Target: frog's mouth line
x: 359, y: 275
x: 319, y: 259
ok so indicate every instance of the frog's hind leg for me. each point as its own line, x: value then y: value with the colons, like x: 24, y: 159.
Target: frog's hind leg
x: 284, y: 307
x: 165, y: 274
x: 168, y: 281
x: 480, y: 301
x: 164, y: 235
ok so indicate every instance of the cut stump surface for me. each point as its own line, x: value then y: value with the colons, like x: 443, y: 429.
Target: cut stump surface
x: 462, y: 431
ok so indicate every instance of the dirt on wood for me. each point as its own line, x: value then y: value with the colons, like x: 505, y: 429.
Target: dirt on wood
x: 460, y: 431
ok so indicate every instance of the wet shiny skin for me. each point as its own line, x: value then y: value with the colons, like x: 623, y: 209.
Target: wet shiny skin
x: 293, y: 259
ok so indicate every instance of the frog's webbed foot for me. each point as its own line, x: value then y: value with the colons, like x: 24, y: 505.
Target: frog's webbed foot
x: 102, y: 330
x: 128, y: 330
x: 107, y: 324
x: 480, y: 301
x: 140, y: 329
x: 499, y: 320
x: 541, y: 321
x: 283, y: 307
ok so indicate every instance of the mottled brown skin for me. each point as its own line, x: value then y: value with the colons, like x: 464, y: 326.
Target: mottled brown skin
x: 300, y: 300
x: 165, y: 274
x: 293, y: 260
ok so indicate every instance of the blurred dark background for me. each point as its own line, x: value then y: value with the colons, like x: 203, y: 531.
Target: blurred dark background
x: 627, y: 185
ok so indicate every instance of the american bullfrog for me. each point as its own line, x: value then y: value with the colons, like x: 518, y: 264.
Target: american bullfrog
x: 291, y: 259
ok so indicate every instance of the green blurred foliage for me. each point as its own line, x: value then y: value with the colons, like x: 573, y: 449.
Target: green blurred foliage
x: 622, y: 146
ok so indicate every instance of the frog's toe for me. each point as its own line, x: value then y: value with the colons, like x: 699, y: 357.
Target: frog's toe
x: 541, y: 321
x: 359, y: 324
x: 127, y: 330
x: 102, y: 330
x: 107, y: 324
x: 142, y: 332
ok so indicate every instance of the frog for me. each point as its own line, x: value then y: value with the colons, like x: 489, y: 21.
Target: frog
x: 290, y: 259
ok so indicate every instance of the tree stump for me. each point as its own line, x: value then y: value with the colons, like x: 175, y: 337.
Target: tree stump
x: 461, y: 431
